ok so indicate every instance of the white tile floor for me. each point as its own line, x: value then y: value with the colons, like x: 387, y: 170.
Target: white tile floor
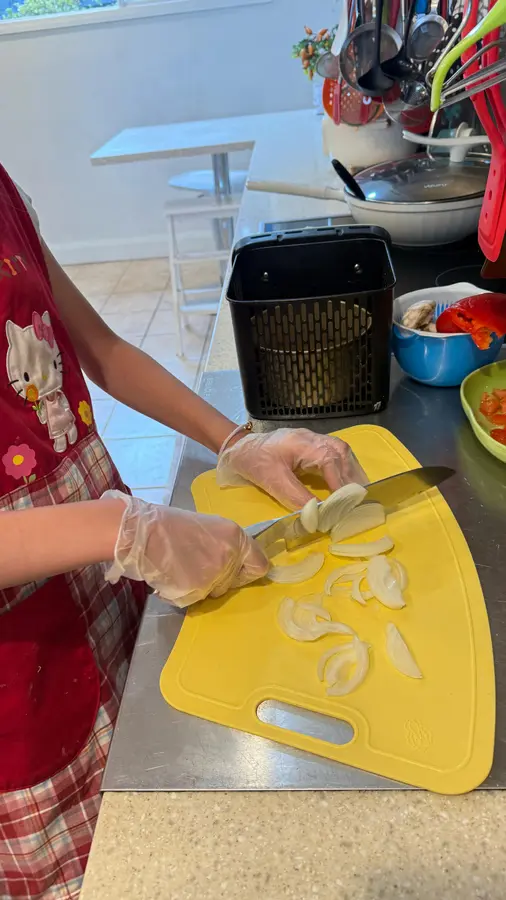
x: 135, y: 301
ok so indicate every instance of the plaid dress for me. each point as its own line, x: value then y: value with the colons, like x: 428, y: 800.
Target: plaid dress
x: 65, y: 644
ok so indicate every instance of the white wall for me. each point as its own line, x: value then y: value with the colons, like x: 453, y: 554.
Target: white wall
x: 66, y: 92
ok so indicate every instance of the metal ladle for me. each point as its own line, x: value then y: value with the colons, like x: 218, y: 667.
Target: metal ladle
x: 427, y: 33
x: 375, y: 83
x: 400, y: 66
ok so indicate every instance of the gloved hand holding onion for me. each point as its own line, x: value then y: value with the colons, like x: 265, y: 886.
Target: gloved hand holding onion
x: 183, y: 556
x: 271, y: 462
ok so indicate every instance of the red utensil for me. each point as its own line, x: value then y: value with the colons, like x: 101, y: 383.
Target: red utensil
x: 481, y: 316
x: 495, y: 268
x: 393, y: 14
x: 492, y: 224
x: 348, y: 107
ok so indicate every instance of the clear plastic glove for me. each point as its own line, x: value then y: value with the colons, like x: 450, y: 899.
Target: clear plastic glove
x: 271, y: 460
x: 183, y: 556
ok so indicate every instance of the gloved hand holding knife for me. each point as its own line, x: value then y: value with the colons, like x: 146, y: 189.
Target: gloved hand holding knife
x: 186, y: 556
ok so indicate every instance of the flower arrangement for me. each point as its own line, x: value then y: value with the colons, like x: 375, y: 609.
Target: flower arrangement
x: 312, y: 46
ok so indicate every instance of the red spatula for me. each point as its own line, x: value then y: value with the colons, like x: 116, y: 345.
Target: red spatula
x: 495, y: 268
x: 492, y: 224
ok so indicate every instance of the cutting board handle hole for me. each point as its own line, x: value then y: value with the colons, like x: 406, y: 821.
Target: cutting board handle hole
x: 303, y: 721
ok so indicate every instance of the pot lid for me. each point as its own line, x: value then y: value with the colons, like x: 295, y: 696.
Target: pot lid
x: 420, y: 179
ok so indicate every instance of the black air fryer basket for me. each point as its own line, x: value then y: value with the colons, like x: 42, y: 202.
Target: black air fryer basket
x: 312, y: 313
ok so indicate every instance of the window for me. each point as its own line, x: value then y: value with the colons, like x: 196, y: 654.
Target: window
x: 20, y: 15
x: 21, y: 9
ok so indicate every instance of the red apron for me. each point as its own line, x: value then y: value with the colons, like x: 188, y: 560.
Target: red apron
x: 65, y: 644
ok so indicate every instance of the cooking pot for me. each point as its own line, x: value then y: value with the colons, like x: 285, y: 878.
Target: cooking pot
x: 421, y: 201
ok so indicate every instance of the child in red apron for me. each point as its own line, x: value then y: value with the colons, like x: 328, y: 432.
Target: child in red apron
x: 68, y: 619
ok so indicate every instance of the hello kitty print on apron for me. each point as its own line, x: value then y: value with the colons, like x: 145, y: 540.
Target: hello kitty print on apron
x: 35, y: 372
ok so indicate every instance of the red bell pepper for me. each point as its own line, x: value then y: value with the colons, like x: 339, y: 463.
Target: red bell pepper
x: 499, y: 435
x: 489, y: 405
x: 480, y: 316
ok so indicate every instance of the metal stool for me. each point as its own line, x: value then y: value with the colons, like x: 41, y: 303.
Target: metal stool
x: 203, y: 182
x: 205, y: 300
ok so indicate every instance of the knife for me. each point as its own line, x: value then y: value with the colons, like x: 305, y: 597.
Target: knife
x: 390, y: 492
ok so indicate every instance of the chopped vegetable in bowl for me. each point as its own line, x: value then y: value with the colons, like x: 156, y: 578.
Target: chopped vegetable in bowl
x: 483, y: 397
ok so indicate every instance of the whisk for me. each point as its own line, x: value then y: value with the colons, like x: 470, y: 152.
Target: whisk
x: 484, y: 77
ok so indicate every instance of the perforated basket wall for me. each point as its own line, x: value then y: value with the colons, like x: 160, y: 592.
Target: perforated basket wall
x: 306, y: 349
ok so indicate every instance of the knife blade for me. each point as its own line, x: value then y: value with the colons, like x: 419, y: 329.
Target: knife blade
x: 390, y: 492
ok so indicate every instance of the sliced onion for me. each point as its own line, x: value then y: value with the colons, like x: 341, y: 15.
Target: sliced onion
x: 360, y: 519
x: 307, y: 632
x: 338, y: 628
x: 356, y: 593
x: 340, y: 688
x: 338, y: 662
x: 384, y: 587
x: 309, y: 516
x: 295, y: 529
x: 325, y: 657
x: 308, y: 614
x: 301, y: 571
x: 399, y: 653
x: 373, y: 548
x: 399, y: 573
x: 338, y: 505
x: 345, y: 573
x: 288, y: 626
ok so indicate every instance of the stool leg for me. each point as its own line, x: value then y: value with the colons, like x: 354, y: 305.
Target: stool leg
x: 174, y: 280
x: 223, y: 228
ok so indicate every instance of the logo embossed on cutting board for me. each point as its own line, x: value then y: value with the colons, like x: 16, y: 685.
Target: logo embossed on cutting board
x: 417, y: 736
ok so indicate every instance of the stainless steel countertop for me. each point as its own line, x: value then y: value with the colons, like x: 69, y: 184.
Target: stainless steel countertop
x: 158, y: 748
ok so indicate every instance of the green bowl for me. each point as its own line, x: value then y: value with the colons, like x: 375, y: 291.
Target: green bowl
x: 471, y: 390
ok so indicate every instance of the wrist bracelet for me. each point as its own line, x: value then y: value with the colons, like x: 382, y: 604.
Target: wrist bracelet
x: 247, y: 427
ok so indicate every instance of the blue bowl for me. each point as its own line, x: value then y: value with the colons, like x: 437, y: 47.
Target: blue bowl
x: 438, y: 359
x: 443, y: 360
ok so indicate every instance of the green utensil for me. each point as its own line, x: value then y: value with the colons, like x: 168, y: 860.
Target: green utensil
x: 494, y: 19
x: 471, y: 392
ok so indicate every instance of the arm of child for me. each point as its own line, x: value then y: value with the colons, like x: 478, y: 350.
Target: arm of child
x: 61, y: 538
x: 130, y: 375
x: 184, y: 556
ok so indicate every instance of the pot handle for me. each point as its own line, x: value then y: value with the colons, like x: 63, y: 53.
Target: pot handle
x: 467, y: 140
x: 299, y: 190
x: 458, y: 145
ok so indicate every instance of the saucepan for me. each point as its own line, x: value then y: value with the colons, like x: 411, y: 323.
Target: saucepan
x: 421, y: 201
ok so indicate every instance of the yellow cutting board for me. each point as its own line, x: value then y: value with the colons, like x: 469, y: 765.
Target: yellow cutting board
x: 435, y: 733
